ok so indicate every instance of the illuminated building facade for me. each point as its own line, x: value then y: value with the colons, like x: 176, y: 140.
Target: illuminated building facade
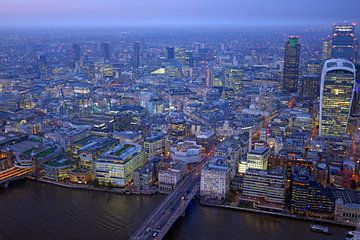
x: 336, y: 93
x: 343, y: 41
x: 116, y: 166
x: 326, y: 48
x: 291, y: 65
x: 233, y: 77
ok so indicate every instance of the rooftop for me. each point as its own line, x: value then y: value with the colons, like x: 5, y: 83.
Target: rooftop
x: 121, y: 152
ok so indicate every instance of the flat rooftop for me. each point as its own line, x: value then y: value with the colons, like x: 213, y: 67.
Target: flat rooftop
x: 121, y: 152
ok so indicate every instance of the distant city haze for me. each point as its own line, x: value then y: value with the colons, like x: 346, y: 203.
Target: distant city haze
x: 176, y: 12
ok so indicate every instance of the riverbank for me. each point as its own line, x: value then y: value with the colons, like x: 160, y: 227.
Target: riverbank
x: 276, y: 214
x: 92, y: 188
x: 128, y: 192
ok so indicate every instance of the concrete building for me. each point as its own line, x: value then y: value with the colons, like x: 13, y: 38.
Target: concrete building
x: 347, y: 213
x: 258, y: 158
x: 142, y: 178
x: 155, y: 144
x: 186, y: 152
x: 265, y: 185
x: 116, y: 166
x: 170, y: 177
x: 215, y: 179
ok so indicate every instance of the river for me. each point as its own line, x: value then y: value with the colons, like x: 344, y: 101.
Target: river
x: 36, y: 211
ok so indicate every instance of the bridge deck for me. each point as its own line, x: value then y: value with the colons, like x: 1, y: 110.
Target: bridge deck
x: 169, y: 210
x: 14, y: 173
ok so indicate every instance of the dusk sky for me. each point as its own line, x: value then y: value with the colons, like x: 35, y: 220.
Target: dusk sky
x: 157, y: 12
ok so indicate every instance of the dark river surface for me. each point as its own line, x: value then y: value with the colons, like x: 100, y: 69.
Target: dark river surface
x: 37, y: 211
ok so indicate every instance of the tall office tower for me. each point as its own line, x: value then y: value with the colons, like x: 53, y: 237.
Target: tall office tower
x: 170, y: 53
x: 189, y: 58
x: 76, y: 52
x: 43, y: 67
x: 357, y: 52
x: 355, y: 106
x: 343, y: 41
x: 336, y: 93
x: 105, y: 50
x: 136, y: 55
x: 209, y: 78
x: 291, y: 65
x: 42, y: 59
x: 326, y: 49
x: 310, y: 86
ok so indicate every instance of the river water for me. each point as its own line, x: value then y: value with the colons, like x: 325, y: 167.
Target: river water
x: 37, y: 211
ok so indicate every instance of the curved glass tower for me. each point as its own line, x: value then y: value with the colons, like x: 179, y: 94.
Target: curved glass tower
x: 336, y: 93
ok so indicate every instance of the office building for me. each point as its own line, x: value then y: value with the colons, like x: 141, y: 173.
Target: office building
x: 171, y: 176
x: 265, y: 185
x: 105, y: 50
x: 343, y: 41
x: 215, y: 179
x: 291, y: 65
x: 115, y: 167
x: 308, y: 197
x: 314, y: 67
x: 258, y: 158
x: 233, y: 78
x: 189, y: 59
x: 170, y: 53
x: 186, y: 152
x: 155, y: 144
x: 310, y: 86
x: 136, y: 55
x: 300, y: 181
x: 76, y: 52
x: 336, y: 93
x: 326, y: 49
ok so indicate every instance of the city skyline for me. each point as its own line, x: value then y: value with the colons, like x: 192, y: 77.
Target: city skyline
x: 179, y: 120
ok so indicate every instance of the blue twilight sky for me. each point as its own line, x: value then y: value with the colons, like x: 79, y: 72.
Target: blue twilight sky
x: 185, y: 12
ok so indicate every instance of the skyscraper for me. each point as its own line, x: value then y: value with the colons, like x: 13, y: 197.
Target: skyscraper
x: 76, y: 52
x: 291, y: 65
x: 170, y: 53
x: 355, y: 106
x: 336, y: 93
x: 326, y: 48
x: 105, y: 50
x: 136, y: 55
x: 310, y: 86
x: 343, y: 41
x: 189, y: 58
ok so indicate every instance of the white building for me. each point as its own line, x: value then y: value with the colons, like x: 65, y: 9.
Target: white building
x: 258, y: 158
x: 347, y: 213
x: 186, y: 152
x: 265, y: 184
x: 215, y: 179
x: 170, y: 177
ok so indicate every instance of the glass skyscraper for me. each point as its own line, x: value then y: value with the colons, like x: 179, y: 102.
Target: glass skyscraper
x: 291, y: 65
x: 136, y: 55
x: 343, y: 41
x: 336, y: 93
